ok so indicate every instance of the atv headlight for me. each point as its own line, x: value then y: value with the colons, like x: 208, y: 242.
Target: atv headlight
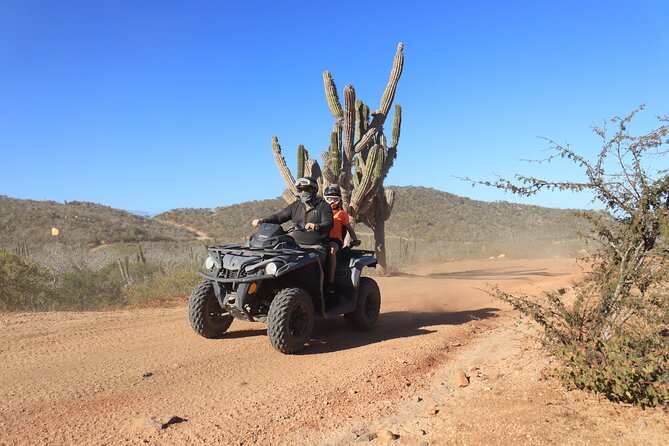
x: 271, y: 268
x: 209, y: 264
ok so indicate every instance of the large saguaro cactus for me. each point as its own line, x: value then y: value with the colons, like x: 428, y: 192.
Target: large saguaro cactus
x: 358, y: 157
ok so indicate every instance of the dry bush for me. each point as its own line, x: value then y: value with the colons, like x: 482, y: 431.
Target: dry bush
x: 613, y: 338
x: 23, y: 283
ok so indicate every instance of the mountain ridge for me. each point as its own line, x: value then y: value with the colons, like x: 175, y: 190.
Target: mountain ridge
x: 421, y: 216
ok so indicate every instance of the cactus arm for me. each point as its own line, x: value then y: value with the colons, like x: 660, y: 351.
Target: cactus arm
x: 357, y: 173
x: 321, y: 186
x: 362, y: 119
x: 395, y: 73
x: 334, y: 151
x: 392, y: 150
x: 359, y: 120
x: 365, y: 116
x: 312, y: 169
x: 360, y: 162
x: 283, y: 168
x: 387, y: 204
x: 331, y: 96
x: 397, y: 124
x: 349, y: 127
x: 347, y: 153
x: 388, y: 95
x: 288, y: 196
x: 383, y: 142
x: 371, y: 179
x: 301, y: 158
x: 327, y: 173
x: 390, y: 159
x: 368, y: 138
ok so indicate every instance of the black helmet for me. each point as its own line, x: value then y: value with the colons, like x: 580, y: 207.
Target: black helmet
x: 332, y: 191
x: 306, y: 183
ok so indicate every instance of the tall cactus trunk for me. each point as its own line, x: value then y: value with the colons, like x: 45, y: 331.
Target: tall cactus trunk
x: 380, y: 246
x: 375, y: 218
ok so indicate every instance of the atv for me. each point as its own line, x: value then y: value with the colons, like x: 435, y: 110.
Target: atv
x: 271, y: 279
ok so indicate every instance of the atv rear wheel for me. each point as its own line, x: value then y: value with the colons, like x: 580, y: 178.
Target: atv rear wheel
x: 290, y: 320
x: 367, y: 307
x: 206, y: 316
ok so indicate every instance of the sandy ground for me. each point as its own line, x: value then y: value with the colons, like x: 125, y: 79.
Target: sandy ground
x: 98, y: 378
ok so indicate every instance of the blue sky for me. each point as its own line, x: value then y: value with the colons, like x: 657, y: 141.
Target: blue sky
x: 156, y: 105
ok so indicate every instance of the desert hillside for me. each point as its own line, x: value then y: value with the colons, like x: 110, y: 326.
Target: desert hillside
x: 426, y: 224
x: 79, y: 223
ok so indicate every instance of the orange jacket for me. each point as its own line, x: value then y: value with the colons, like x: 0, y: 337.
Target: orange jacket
x: 340, y: 218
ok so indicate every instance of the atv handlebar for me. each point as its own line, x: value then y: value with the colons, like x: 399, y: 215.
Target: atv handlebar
x: 295, y: 227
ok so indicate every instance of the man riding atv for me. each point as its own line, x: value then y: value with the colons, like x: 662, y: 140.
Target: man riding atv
x: 278, y: 278
x: 311, y: 215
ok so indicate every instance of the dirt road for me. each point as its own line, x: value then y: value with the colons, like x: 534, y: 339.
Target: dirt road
x: 97, y: 378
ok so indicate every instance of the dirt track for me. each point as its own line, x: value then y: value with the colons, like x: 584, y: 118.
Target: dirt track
x: 77, y: 378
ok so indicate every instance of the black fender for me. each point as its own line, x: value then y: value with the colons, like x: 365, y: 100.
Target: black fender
x: 357, y: 264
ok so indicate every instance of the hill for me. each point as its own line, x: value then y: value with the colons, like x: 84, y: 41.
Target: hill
x: 426, y: 224
x: 226, y: 224
x: 433, y: 215
x: 80, y: 224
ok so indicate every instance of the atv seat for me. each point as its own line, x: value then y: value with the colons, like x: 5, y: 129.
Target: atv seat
x: 320, y: 250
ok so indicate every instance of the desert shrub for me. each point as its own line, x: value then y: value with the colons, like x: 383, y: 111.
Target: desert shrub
x: 165, y: 284
x: 629, y: 363
x: 27, y: 286
x: 629, y: 368
x: 24, y: 285
x: 612, y: 334
x: 86, y: 289
x: 79, y: 279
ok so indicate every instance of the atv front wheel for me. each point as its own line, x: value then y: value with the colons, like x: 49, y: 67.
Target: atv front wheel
x: 367, y: 307
x: 206, y: 316
x: 290, y: 320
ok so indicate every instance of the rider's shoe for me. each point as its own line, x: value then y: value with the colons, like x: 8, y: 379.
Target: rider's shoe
x: 329, y: 290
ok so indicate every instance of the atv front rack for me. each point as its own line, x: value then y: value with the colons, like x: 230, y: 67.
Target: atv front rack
x: 241, y: 250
